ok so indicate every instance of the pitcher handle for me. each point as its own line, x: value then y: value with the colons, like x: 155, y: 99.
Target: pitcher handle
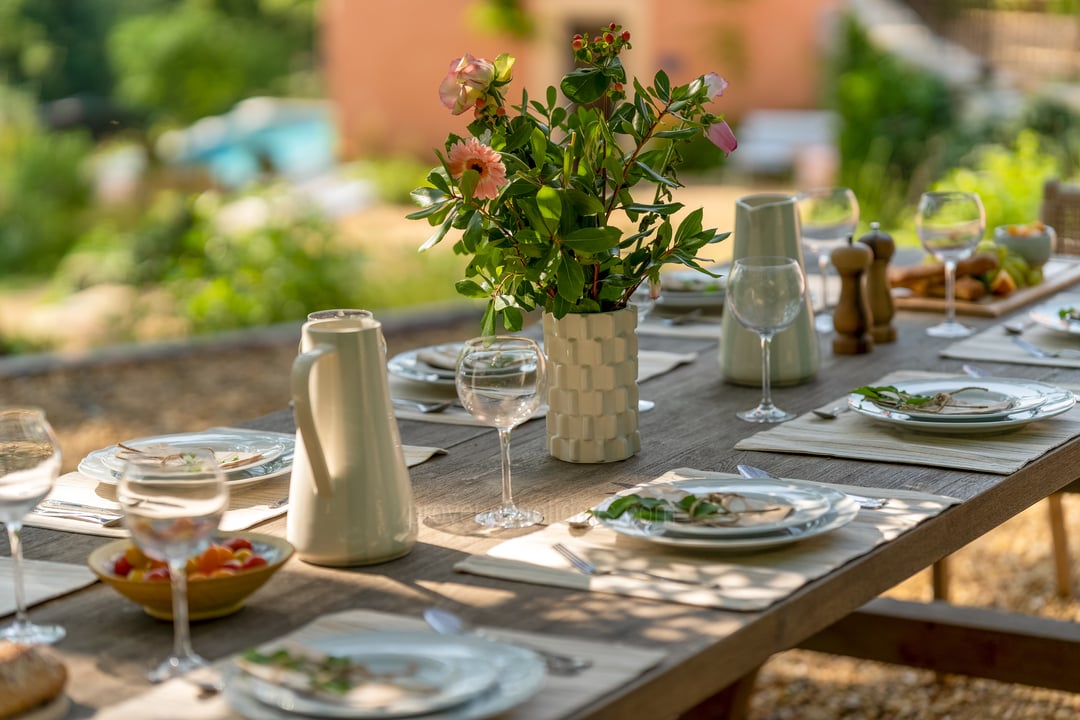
x: 305, y: 419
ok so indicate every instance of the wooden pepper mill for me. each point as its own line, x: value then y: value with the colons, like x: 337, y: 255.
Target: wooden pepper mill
x: 851, y: 318
x: 877, y: 284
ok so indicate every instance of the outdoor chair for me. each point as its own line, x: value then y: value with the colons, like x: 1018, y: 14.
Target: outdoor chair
x: 1061, y: 211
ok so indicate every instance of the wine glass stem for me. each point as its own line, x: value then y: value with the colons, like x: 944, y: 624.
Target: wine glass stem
x: 14, y: 531
x: 823, y: 267
x: 766, y: 371
x: 950, y: 291
x: 504, y: 453
x: 181, y: 630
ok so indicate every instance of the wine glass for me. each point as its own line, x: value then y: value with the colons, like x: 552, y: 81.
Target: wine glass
x: 29, y: 464
x: 765, y: 295
x: 172, y: 508
x: 645, y: 297
x: 950, y: 224
x: 828, y: 217
x: 500, y: 381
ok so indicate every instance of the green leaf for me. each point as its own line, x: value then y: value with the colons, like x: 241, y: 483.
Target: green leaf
x: 512, y: 318
x: 440, y: 233
x: 468, y: 182
x: 584, y: 85
x: 658, y: 208
x: 571, y: 279
x: 470, y: 289
x: 432, y: 209
x: 655, y: 176
x: 680, y: 134
x: 550, y: 205
x: 539, y: 147
x: 689, y: 227
x: 593, y: 240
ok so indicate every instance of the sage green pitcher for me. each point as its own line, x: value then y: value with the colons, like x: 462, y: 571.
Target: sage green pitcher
x: 768, y: 224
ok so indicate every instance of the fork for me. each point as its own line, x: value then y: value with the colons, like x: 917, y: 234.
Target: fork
x: 424, y: 407
x: 830, y: 413
x: 587, y: 568
x: 102, y: 519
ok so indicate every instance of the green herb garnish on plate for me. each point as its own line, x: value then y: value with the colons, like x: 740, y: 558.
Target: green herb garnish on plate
x: 890, y: 396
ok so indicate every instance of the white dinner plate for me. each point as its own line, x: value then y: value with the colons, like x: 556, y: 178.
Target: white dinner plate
x: 1047, y: 316
x: 842, y: 511
x: 1057, y: 402
x: 1020, y: 395
x: 243, y: 450
x: 94, y: 466
x: 806, y: 501
x: 409, y: 366
x: 478, y: 678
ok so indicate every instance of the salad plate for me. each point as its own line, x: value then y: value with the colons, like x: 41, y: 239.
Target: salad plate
x: 101, y: 464
x: 973, y: 400
x: 1057, y: 401
x: 433, y: 365
x: 399, y: 674
x: 818, y: 510
x: 692, y: 289
x: 1048, y: 315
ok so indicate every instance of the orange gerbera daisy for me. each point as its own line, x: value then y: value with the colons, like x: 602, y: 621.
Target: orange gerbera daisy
x: 472, y: 154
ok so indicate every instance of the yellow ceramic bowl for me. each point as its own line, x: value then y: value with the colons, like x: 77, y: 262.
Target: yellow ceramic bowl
x: 208, y: 597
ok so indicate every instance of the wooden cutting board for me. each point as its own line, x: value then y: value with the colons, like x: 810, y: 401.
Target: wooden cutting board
x: 1059, y: 273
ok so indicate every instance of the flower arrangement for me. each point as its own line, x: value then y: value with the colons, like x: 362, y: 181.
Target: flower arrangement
x: 542, y: 192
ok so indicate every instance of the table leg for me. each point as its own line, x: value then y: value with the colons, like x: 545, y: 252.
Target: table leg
x: 731, y: 703
x: 1062, y: 572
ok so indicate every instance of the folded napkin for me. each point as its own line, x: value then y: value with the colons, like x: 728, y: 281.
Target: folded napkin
x: 41, y: 581
x: 850, y: 434
x: 745, y: 582
x: 705, y: 326
x: 614, y: 664
x: 248, y: 506
x: 651, y: 363
x: 996, y: 345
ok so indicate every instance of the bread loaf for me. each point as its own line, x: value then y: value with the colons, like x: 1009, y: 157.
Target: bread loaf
x: 28, y: 678
x: 919, y: 276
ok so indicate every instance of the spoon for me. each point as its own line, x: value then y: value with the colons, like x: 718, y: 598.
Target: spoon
x: 830, y: 413
x: 1016, y: 327
x: 448, y: 623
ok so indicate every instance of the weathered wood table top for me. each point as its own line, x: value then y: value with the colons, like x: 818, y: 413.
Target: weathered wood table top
x: 110, y: 641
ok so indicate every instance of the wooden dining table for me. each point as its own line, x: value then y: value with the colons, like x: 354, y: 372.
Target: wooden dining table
x: 711, y: 655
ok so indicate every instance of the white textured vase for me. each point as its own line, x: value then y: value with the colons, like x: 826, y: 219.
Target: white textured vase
x: 592, y: 386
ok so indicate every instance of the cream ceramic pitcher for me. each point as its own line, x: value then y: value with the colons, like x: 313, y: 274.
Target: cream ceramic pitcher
x: 768, y: 224
x: 350, y: 498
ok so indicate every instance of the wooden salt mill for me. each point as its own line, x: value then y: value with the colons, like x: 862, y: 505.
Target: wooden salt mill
x: 851, y: 318
x: 877, y: 284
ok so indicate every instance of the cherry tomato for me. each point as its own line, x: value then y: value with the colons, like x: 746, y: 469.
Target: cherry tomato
x: 156, y: 574
x: 254, y: 561
x: 214, y: 557
x: 122, y: 567
x: 237, y: 543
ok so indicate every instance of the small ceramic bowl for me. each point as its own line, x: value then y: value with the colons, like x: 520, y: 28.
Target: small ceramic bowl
x: 208, y: 597
x: 1032, y: 241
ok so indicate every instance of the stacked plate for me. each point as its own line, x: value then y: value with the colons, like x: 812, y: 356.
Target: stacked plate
x: 433, y: 365
x: 248, y: 456
x: 983, y: 405
x: 1049, y: 316
x: 391, y: 675
x: 687, y: 290
x: 778, y: 512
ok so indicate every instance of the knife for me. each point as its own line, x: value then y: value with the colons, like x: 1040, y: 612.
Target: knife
x: 1040, y: 352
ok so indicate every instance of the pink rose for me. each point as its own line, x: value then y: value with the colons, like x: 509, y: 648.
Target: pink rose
x: 721, y: 136
x: 467, y: 81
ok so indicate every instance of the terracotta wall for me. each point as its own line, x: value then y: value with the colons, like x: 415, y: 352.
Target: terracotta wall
x: 384, y: 61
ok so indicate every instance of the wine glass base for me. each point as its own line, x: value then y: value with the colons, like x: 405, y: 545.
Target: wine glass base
x: 823, y: 322
x: 765, y: 415
x: 31, y: 634
x: 509, y: 517
x: 175, y: 667
x: 950, y: 330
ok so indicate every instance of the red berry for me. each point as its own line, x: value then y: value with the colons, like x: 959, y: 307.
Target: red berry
x: 626, y: 35
x: 254, y: 561
x: 158, y: 574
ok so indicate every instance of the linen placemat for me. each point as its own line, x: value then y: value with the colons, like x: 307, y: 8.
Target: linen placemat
x: 614, y: 664
x: 651, y: 363
x: 996, y: 345
x: 706, y: 327
x: 729, y: 581
x: 42, y: 580
x: 248, y: 506
x: 850, y: 435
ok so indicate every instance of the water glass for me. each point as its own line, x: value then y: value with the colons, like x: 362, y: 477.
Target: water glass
x: 765, y: 295
x: 501, y: 381
x: 29, y: 465
x: 172, y: 509
x: 950, y: 225
x: 827, y: 218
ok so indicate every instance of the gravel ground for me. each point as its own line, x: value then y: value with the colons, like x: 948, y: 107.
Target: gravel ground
x: 95, y: 404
